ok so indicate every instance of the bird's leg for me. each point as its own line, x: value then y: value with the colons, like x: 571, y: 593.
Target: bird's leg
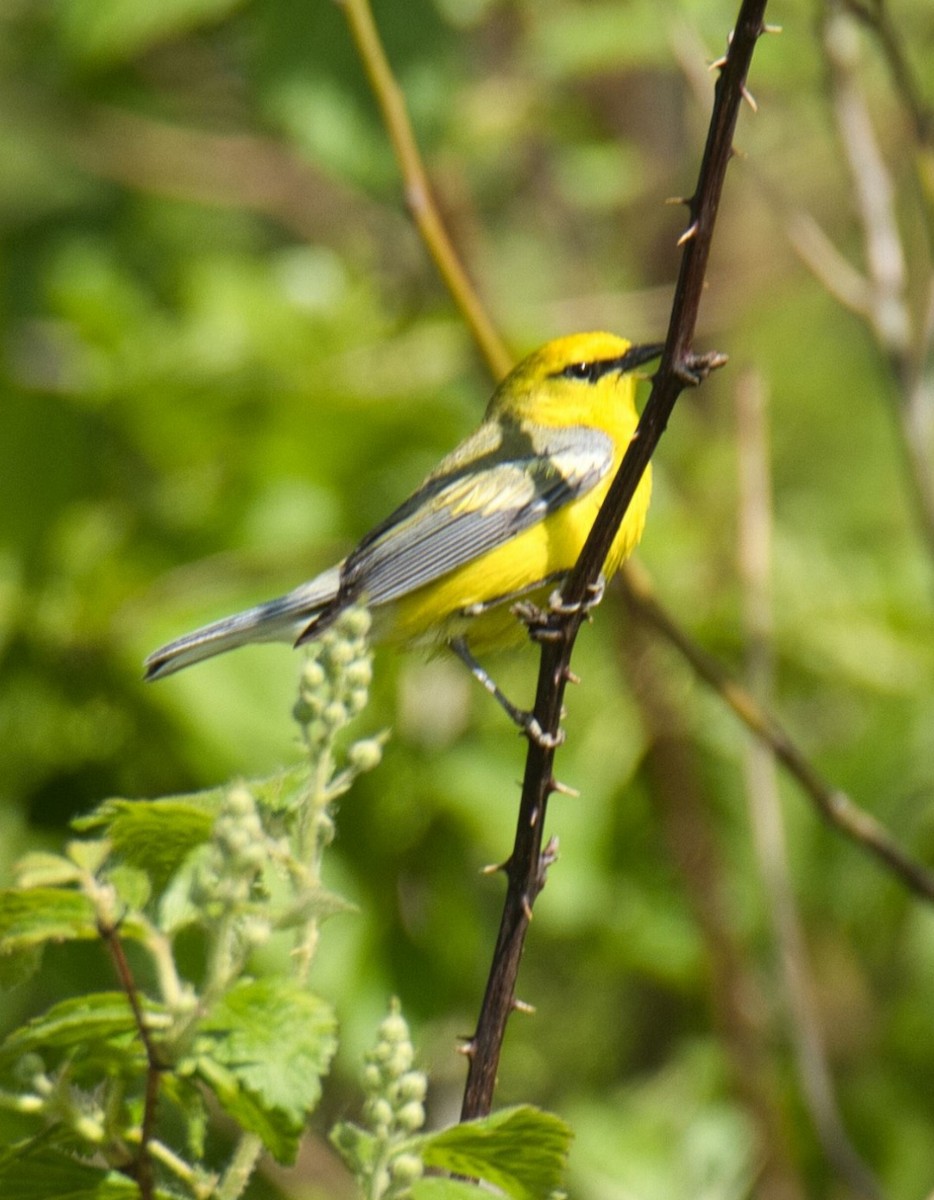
x: 519, y: 716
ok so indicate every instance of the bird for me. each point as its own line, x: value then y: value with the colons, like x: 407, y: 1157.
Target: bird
x: 500, y: 520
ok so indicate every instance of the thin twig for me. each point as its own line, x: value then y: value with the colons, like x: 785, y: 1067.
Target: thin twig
x: 833, y: 804
x: 142, y: 1168
x: 525, y: 868
x: 754, y: 554
x: 418, y: 193
x: 874, y: 15
x: 887, y: 310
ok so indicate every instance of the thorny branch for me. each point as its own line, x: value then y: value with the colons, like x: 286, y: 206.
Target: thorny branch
x: 526, y: 866
x: 837, y: 808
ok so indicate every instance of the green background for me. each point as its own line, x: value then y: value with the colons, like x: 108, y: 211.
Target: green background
x: 224, y: 354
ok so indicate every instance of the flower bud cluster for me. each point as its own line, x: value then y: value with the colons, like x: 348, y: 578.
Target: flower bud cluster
x: 238, y: 852
x: 395, y: 1101
x: 334, y: 688
x: 335, y: 683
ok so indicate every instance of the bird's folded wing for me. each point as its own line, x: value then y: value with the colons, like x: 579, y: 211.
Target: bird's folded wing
x: 468, y: 508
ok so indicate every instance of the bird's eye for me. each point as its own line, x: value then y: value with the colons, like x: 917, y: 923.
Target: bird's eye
x: 580, y: 370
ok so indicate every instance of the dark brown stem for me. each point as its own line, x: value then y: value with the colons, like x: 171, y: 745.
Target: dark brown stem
x: 141, y: 1169
x: 679, y: 367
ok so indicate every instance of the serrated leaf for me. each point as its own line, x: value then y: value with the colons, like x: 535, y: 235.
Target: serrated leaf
x: 31, y: 916
x: 155, y: 836
x: 41, y: 869
x: 437, y: 1188
x: 280, y: 1139
x: 78, y: 1022
x: 521, y: 1150
x: 51, y: 1176
x: 273, y: 1041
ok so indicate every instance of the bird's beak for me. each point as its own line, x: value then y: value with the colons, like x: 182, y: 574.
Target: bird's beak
x: 637, y: 356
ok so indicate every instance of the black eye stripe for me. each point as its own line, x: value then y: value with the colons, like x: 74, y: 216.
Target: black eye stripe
x: 590, y: 372
x: 581, y: 370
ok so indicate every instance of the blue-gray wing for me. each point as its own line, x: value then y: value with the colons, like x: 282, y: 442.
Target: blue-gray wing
x: 490, y: 489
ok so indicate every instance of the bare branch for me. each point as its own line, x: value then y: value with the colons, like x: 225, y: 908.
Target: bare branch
x: 418, y: 193
x: 834, y: 806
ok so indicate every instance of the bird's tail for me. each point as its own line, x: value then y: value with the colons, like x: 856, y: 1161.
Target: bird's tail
x: 283, y: 619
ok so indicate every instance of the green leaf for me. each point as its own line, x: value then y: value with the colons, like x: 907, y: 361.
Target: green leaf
x: 438, y: 1188
x: 30, y: 917
x: 521, y: 1150
x: 155, y: 836
x: 41, y: 869
x: 51, y: 1176
x: 82, y: 1021
x: 88, y: 854
x: 263, y: 1049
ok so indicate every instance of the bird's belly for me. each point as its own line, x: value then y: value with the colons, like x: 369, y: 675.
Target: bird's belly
x: 475, y: 601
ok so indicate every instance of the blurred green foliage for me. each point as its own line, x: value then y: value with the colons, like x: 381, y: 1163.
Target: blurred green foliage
x: 225, y: 355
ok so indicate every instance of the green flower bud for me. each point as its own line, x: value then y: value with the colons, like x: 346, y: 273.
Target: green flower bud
x: 372, y: 1078
x: 334, y: 713
x: 355, y: 622
x: 406, y: 1168
x: 379, y: 1112
x: 313, y: 675
x: 360, y: 673
x: 341, y: 654
x: 365, y: 754
x: 411, y: 1116
x: 400, y: 1060
x: 239, y: 802
x: 394, y: 1028
x: 412, y: 1086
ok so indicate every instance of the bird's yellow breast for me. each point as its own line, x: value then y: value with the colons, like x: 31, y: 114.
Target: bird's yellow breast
x: 527, y: 567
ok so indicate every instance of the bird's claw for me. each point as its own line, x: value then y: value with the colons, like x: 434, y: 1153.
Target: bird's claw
x: 532, y: 729
x: 595, y: 590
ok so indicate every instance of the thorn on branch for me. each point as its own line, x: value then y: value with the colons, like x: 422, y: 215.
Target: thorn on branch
x: 689, y: 233
x: 749, y: 98
x: 468, y: 1049
x: 718, y: 64
x: 522, y: 1006
x: 493, y: 868
x: 563, y: 789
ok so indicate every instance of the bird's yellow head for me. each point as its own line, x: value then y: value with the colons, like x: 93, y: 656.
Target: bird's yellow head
x: 577, y: 379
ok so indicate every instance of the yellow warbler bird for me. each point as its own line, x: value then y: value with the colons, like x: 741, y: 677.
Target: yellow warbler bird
x: 502, y: 518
